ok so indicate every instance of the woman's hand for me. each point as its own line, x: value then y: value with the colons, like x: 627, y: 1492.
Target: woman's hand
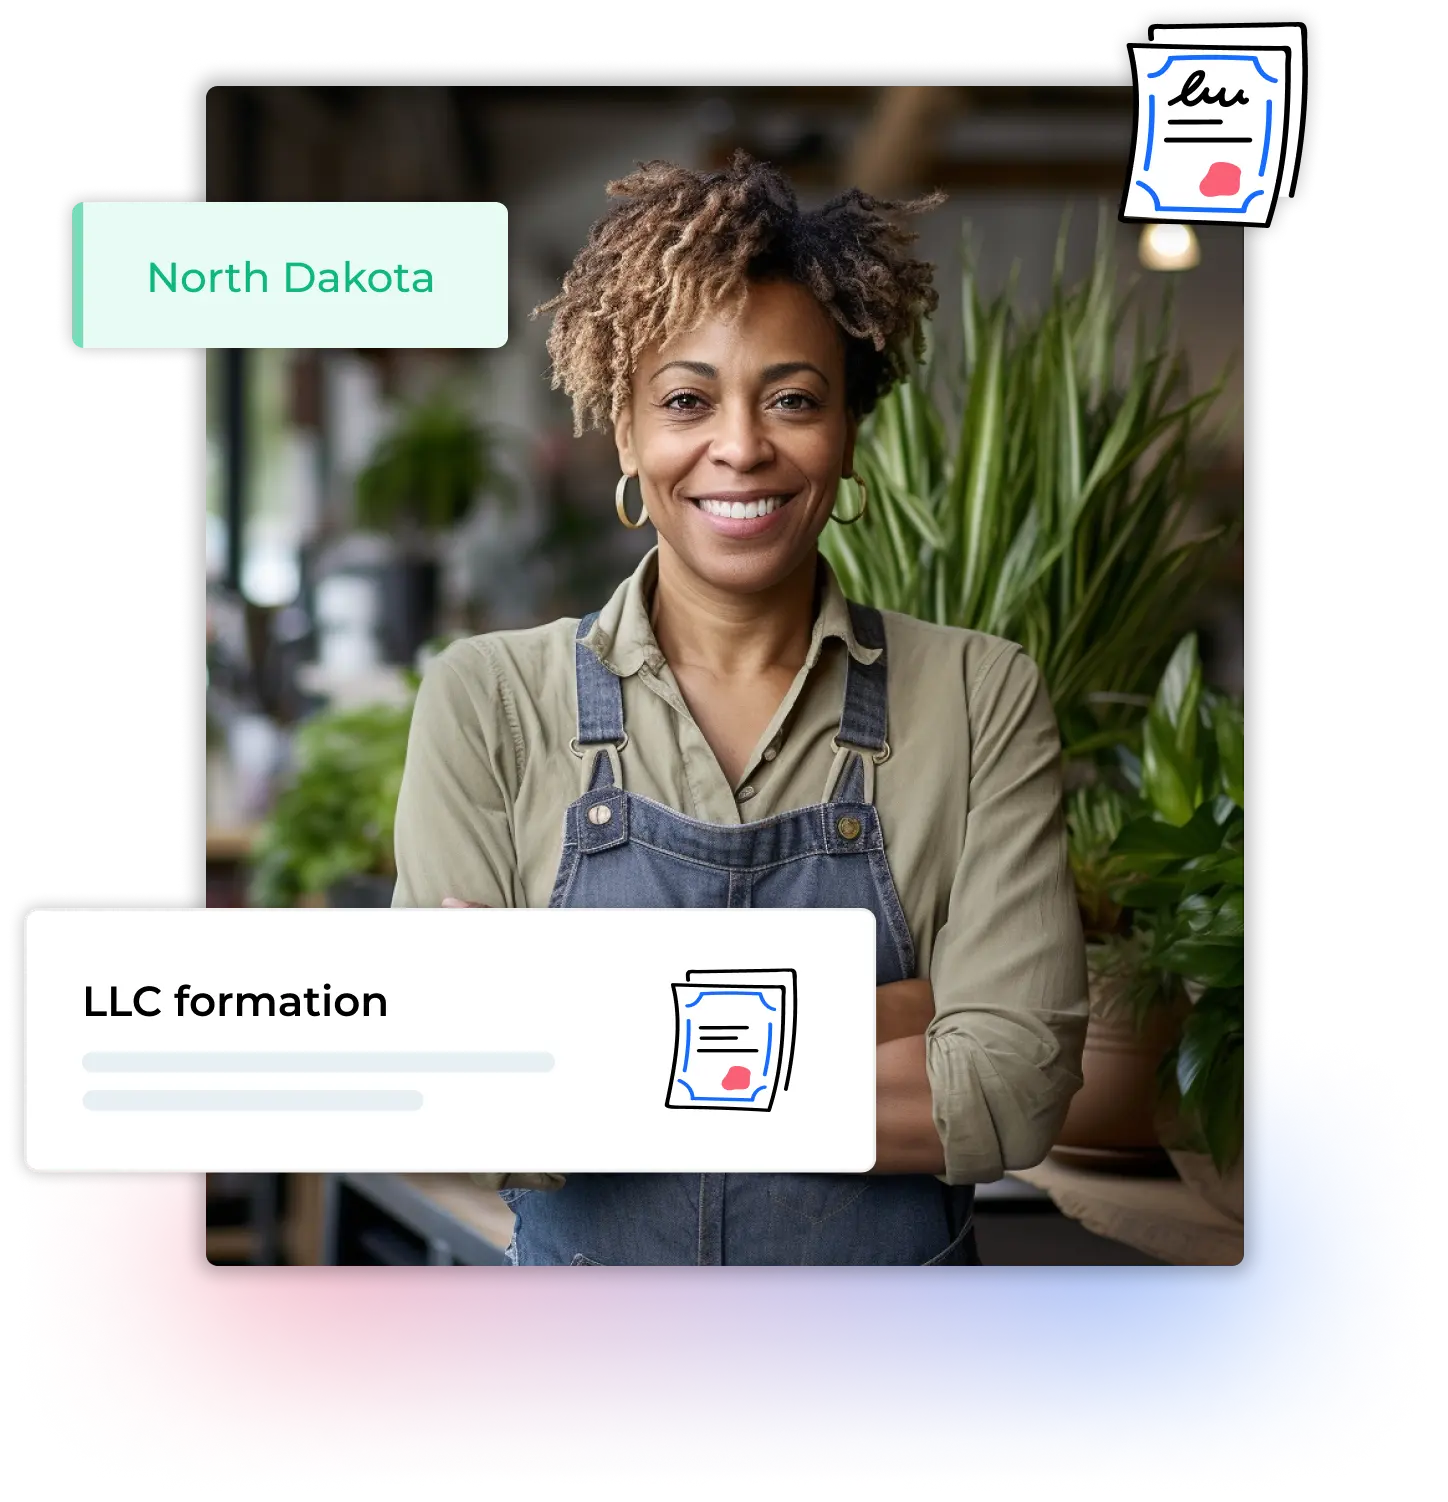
x: 458, y: 902
x: 903, y: 1009
x: 906, y: 1140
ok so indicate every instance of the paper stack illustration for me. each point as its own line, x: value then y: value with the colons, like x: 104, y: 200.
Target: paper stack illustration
x: 1219, y: 117
x: 733, y: 1039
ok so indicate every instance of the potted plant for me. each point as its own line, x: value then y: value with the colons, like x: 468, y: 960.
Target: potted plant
x: 1034, y: 484
x: 1134, y: 1021
x: 422, y: 480
x: 329, y: 835
x: 1177, y: 869
x: 1156, y: 850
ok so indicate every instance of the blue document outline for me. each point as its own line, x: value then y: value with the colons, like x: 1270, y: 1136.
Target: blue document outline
x: 1200, y: 211
x: 774, y: 1061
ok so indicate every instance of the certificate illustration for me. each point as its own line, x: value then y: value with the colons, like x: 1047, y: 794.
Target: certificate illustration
x: 733, y: 1039
x: 1210, y: 132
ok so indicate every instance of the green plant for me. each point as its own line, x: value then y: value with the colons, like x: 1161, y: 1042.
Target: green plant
x: 335, y: 817
x: 1095, y: 815
x: 429, y: 470
x: 1035, y: 488
x: 1177, y: 868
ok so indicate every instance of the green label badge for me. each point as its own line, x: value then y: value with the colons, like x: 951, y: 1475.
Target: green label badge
x: 289, y: 275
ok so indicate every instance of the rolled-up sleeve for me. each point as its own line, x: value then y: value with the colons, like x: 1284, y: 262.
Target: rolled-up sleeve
x: 454, y: 835
x: 1008, y: 970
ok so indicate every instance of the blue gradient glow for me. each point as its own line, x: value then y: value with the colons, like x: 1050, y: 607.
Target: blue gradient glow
x: 1306, y: 1355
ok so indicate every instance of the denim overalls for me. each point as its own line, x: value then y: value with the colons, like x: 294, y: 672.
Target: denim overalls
x: 829, y: 855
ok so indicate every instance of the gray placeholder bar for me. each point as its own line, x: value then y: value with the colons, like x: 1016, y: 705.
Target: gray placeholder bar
x: 253, y: 1100
x: 282, y: 1062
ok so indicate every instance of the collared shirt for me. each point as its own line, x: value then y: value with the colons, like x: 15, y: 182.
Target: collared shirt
x: 969, y: 802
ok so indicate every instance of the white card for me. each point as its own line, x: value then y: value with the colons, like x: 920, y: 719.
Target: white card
x: 508, y: 1040
x: 1209, y: 134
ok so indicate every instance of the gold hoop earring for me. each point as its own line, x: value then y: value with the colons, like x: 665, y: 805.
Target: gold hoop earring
x: 849, y: 521
x: 618, y: 506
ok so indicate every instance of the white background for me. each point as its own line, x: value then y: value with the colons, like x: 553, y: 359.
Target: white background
x: 571, y: 982
x: 90, y: 98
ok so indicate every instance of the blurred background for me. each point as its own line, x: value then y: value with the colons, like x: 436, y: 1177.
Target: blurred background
x: 364, y: 506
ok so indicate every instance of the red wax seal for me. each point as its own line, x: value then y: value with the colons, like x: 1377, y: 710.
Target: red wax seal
x: 737, y: 1078
x: 1223, y: 180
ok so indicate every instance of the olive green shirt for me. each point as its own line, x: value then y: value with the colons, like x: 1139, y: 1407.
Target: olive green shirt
x: 969, y: 801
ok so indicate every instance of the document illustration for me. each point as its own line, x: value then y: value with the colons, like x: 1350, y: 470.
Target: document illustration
x: 785, y: 978
x: 1248, y: 37
x: 733, y: 1039
x: 1210, y: 132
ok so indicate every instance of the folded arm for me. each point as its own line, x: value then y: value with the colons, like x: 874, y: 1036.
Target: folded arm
x: 999, y: 1058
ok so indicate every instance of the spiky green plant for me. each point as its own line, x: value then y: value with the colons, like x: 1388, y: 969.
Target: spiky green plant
x: 1034, y: 485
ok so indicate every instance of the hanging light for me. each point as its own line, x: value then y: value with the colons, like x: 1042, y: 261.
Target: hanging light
x: 1169, y: 247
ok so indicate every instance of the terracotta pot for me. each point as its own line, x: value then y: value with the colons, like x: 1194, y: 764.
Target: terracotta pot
x: 1111, y: 1123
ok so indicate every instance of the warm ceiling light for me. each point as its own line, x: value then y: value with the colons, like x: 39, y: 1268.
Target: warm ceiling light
x: 1169, y: 247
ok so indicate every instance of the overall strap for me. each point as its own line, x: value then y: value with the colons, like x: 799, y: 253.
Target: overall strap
x: 600, y: 713
x: 860, y: 743
x: 864, y: 719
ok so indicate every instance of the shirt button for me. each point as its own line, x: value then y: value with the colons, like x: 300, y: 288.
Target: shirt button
x: 600, y: 813
x: 770, y: 753
x: 745, y: 794
x: 849, y: 827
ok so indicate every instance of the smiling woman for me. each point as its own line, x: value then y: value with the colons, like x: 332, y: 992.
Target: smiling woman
x: 732, y: 342
x: 739, y: 431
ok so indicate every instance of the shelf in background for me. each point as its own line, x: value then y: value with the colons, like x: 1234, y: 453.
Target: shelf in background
x: 413, y: 1219
x: 230, y: 1244
x: 1008, y: 1188
x: 226, y: 843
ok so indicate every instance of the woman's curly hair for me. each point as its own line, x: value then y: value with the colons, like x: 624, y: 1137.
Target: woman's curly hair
x: 684, y: 244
